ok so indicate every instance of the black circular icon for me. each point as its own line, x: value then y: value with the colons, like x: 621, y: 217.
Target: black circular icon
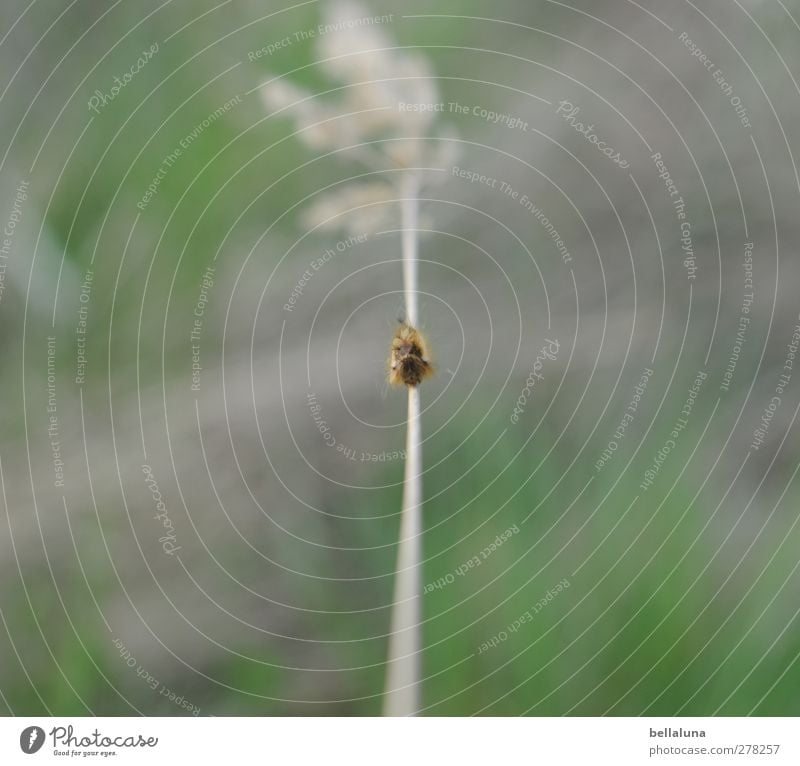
x: 31, y: 739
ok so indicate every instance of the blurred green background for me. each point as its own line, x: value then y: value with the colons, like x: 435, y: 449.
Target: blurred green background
x: 681, y: 597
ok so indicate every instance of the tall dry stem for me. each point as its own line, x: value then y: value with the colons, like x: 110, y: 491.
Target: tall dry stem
x: 405, y: 639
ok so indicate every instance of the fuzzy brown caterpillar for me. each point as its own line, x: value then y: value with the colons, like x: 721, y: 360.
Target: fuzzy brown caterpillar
x: 409, y: 360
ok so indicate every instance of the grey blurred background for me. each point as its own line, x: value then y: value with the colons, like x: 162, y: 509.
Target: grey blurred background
x: 263, y: 583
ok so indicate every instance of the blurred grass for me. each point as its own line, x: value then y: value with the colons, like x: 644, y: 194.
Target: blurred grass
x: 632, y: 631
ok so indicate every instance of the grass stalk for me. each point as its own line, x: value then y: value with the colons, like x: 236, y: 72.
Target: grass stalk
x: 402, y: 695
